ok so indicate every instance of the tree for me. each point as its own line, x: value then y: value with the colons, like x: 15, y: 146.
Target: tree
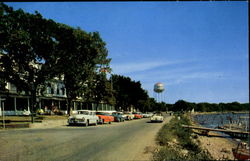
x: 26, y: 48
x: 129, y: 93
x: 180, y: 105
x: 80, y: 56
x: 100, y: 91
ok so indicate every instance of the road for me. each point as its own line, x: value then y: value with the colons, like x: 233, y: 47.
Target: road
x: 124, y: 141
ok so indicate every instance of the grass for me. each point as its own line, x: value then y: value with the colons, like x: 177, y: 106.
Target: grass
x: 40, y: 117
x: 178, y: 143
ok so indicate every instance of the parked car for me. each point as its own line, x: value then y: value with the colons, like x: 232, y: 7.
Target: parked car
x: 123, y: 115
x: 105, y: 118
x: 84, y: 117
x: 157, y: 117
x: 137, y: 115
x: 118, y: 116
x: 147, y: 114
x: 129, y: 115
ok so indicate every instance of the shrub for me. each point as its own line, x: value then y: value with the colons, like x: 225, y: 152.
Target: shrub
x: 174, y: 130
x: 165, y: 154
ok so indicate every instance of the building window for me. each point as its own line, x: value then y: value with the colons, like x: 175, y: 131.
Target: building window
x: 63, y: 91
x: 52, y: 90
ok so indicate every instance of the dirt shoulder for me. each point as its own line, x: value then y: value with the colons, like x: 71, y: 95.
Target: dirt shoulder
x: 219, y: 147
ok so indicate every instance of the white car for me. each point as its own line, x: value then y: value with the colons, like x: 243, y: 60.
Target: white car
x: 122, y: 114
x: 147, y: 115
x: 85, y: 117
x: 129, y: 115
x: 157, y: 117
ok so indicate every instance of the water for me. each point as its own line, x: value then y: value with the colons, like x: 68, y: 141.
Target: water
x: 220, y: 119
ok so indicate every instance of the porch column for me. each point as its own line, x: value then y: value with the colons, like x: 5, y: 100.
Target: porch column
x: 40, y: 104
x: 28, y: 103
x: 59, y: 104
x: 15, y: 104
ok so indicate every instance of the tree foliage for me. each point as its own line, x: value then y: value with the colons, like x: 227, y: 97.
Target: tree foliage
x: 26, y: 49
x: 182, y: 105
x: 34, y: 49
x: 129, y: 93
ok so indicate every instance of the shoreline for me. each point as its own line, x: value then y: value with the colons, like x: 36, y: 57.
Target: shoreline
x: 219, y: 147
x: 209, y: 113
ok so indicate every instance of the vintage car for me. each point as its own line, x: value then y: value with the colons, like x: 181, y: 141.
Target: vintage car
x: 119, y: 117
x: 84, y: 117
x: 123, y: 115
x: 147, y: 115
x: 157, y: 117
x: 104, y: 117
x: 137, y: 115
x: 129, y: 115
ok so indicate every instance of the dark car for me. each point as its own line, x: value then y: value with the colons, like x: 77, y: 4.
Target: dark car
x: 118, y: 117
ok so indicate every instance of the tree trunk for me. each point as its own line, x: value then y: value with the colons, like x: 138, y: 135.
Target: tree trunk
x: 96, y: 106
x: 69, y: 102
x: 33, y: 102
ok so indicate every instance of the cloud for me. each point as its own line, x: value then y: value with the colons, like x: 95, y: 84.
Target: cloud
x: 177, y: 74
x: 135, y: 67
x: 132, y: 67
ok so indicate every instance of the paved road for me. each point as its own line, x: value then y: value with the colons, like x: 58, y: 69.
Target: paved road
x: 118, y: 141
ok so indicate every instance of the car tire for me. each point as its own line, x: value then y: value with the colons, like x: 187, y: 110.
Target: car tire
x: 109, y: 122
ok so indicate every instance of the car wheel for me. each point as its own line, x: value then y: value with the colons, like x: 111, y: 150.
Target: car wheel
x: 110, y: 122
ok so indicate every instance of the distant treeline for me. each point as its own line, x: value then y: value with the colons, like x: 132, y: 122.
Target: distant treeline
x: 182, y: 105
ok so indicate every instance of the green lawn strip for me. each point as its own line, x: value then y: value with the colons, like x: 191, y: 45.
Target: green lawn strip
x: 37, y: 117
x: 178, y: 143
x: 53, y: 117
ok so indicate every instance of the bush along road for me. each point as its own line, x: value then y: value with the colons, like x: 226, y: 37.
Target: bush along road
x: 177, y: 143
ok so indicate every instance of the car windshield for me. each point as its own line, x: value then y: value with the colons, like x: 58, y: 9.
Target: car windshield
x: 83, y: 112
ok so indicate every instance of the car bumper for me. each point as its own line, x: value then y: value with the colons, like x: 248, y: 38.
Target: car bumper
x: 71, y: 122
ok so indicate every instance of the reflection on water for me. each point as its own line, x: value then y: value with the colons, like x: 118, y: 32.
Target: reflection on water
x: 222, y: 119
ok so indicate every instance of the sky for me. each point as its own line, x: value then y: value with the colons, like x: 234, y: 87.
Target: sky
x: 198, y: 50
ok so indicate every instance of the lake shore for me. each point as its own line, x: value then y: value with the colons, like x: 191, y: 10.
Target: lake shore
x: 216, y: 112
x: 219, y: 147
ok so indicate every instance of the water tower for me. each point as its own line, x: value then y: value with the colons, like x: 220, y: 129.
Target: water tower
x: 158, y: 89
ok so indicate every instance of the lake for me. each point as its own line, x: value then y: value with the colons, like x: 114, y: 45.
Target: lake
x: 221, y: 119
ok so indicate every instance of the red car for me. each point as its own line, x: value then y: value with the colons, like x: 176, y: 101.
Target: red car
x: 105, y: 118
x: 137, y: 115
